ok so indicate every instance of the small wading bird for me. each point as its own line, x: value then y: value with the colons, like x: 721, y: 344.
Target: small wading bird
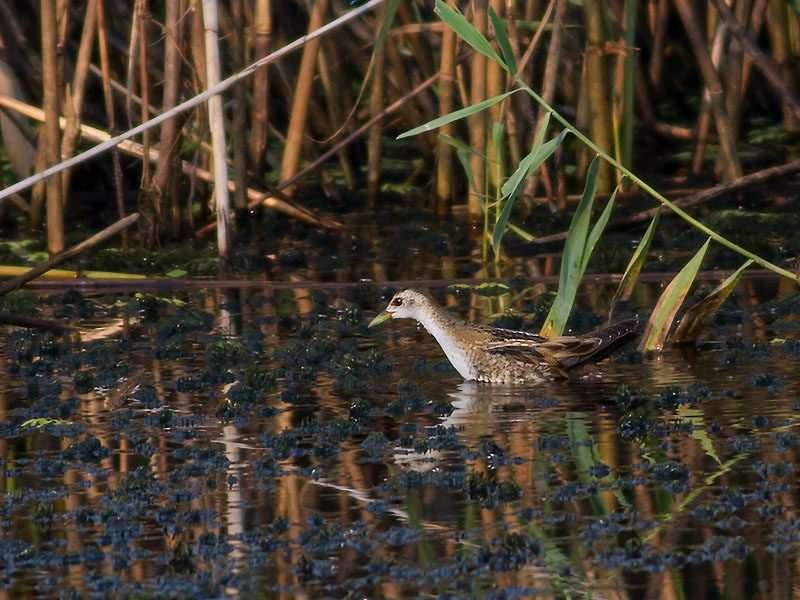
x: 497, y: 355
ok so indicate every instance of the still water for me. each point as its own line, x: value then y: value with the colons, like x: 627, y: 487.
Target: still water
x: 270, y: 446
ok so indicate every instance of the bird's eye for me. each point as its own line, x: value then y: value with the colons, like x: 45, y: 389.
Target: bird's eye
x: 397, y: 302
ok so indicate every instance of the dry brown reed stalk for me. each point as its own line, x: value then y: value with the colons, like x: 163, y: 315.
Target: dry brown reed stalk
x: 375, y: 134
x: 418, y: 109
x: 217, y: 126
x: 423, y: 55
x: 239, y: 120
x: 51, y: 139
x: 102, y: 39
x: 782, y: 86
x: 259, y: 126
x: 73, y: 101
x: 734, y: 75
x: 658, y: 20
x: 444, y: 152
x: 730, y: 157
x: 495, y: 85
x: 549, y: 80
x: 334, y: 108
x: 717, y: 34
x: 477, y: 121
x: 781, y: 42
x: 302, y: 96
x: 163, y: 189
x: 139, y: 50
x: 164, y: 186
x: 598, y: 92
x: 754, y: 30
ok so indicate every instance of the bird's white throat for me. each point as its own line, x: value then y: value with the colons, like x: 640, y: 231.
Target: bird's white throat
x: 456, y: 353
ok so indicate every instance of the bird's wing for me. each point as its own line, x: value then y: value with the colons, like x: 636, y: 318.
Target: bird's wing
x: 562, y: 352
x: 509, y: 335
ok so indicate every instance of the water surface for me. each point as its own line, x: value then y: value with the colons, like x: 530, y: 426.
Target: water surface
x: 208, y: 446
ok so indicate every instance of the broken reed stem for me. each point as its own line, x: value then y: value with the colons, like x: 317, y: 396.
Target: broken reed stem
x: 192, y: 102
x: 135, y: 149
x: 763, y: 63
x: 16, y: 282
x: 694, y: 199
x: 730, y: 158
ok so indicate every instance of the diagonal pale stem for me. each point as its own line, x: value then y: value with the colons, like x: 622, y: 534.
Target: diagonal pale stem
x: 658, y: 196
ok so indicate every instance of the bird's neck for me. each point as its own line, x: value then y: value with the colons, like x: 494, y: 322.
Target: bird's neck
x: 445, y: 328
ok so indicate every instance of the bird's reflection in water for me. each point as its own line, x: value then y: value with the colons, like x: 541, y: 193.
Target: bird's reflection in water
x: 484, y: 412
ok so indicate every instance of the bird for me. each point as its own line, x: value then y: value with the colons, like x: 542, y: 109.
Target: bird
x: 494, y: 355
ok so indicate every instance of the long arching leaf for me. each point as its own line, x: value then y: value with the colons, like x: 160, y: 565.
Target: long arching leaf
x: 572, y: 257
x: 503, y: 41
x: 700, y: 314
x: 670, y: 301
x: 598, y: 229
x: 625, y: 288
x: 526, y: 166
x: 458, y: 23
x: 455, y: 115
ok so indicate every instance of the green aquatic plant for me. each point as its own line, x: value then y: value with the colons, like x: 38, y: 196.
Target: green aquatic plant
x: 577, y: 250
x: 43, y: 422
x: 575, y: 261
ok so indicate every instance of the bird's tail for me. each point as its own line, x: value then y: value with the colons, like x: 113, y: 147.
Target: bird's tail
x: 611, y: 338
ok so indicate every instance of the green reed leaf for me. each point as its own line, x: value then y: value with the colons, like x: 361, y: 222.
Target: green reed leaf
x: 503, y: 41
x: 466, y: 31
x: 700, y: 314
x: 456, y: 115
x: 598, y: 229
x: 670, y: 301
x: 463, y: 158
x: 459, y: 145
x: 514, y: 185
x: 572, y: 258
x: 631, y: 275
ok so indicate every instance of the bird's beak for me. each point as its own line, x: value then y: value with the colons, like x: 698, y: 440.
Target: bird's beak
x: 384, y: 316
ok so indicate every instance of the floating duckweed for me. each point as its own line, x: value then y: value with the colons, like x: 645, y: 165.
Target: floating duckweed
x: 673, y: 475
x: 513, y: 552
x: 227, y: 353
x: 147, y: 395
x: 360, y: 410
x: 490, y: 491
x: 89, y: 449
x: 772, y: 382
